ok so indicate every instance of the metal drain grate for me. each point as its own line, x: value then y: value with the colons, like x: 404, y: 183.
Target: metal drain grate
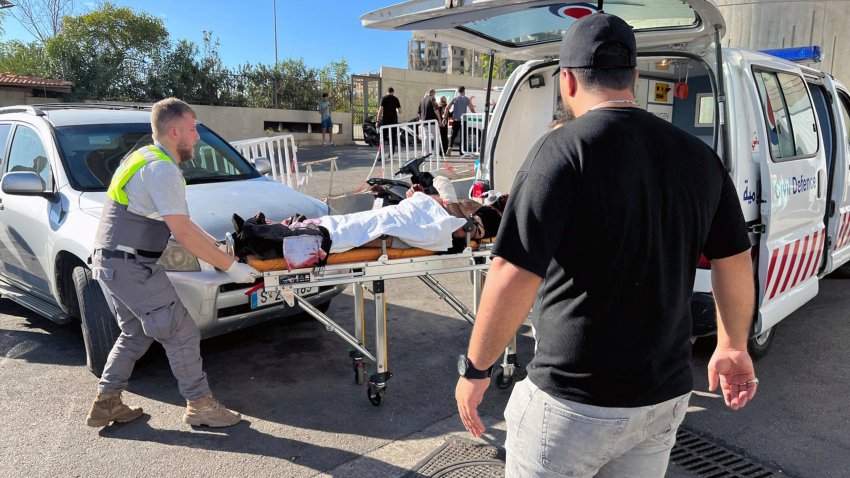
x: 705, y: 459
x: 461, y: 458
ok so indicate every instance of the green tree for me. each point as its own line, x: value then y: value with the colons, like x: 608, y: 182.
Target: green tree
x: 502, y: 67
x: 27, y: 59
x: 336, y: 80
x: 106, y: 52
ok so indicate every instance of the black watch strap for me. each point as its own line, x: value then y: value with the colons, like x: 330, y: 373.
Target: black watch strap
x: 467, y: 370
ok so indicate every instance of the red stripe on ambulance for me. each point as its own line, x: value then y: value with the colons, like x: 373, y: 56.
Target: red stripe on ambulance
x: 795, y: 265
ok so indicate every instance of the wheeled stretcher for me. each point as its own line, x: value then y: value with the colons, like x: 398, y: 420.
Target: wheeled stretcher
x: 371, y: 276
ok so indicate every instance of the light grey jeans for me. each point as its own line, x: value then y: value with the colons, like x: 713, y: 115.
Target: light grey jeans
x: 147, y: 308
x: 553, y: 437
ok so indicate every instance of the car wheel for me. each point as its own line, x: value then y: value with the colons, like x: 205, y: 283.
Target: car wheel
x: 760, y: 344
x: 100, y: 328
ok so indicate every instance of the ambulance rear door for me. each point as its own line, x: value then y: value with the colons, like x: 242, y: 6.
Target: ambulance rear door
x: 793, y: 190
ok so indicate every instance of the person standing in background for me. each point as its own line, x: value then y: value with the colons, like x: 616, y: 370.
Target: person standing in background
x: 327, y: 126
x: 458, y: 106
x: 444, y: 128
x: 390, y: 109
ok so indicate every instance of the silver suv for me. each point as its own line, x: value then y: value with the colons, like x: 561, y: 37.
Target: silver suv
x: 57, y: 161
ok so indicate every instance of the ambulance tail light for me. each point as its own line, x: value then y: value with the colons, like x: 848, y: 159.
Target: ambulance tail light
x: 703, y: 263
x: 802, y: 54
x: 479, y: 189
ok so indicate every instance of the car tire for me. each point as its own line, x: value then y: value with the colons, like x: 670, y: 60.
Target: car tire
x: 759, y: 345
x: 100, y: 329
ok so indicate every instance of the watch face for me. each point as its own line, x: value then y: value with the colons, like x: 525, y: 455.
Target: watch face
x: 461, y: 365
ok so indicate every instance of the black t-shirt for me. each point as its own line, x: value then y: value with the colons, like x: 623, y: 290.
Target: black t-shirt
x: 427, y: 108
x: 390, y: 115
x: 613, y: 210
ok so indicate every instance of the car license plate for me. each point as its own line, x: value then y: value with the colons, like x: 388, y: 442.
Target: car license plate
x: 263, y: 297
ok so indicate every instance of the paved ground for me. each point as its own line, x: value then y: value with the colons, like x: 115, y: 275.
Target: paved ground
x: 306, y: 417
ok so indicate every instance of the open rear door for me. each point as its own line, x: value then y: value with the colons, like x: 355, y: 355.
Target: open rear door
x: 793, y: 193
x: 532, y: 29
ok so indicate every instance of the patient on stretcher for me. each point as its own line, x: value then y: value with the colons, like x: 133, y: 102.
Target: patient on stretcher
x: 421, y: 221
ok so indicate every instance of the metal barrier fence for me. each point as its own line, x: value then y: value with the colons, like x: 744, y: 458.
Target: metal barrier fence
x: 405, y: 141
x: 471, y: 134
x: 280, y: 150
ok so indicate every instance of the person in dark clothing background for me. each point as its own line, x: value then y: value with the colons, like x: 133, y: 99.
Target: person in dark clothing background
x: 605, y: 224
x: 444, y: 128
x: 389, y: 109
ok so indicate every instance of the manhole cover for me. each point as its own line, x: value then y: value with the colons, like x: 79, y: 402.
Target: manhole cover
x: 461, y: 458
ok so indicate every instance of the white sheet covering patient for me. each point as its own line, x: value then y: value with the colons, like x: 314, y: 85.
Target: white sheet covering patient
x: 419, y: 221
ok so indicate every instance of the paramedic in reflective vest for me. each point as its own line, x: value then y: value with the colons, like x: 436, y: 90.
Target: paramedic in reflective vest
x: 145, y: 204
x: 602, y: 233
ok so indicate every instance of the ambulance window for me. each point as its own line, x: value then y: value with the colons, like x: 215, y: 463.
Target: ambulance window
x: 843, y: 105
x: 789, y: 118
x: 802, y: 114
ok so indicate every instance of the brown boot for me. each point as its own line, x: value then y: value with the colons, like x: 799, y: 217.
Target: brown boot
x: 210, y: 412
x: 108, y: 408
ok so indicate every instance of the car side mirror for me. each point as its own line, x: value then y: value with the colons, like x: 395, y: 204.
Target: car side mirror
x: 25, y: 183
x: 263, y: 165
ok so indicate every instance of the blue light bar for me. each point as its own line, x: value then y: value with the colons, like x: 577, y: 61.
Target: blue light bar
x: 798, y: 54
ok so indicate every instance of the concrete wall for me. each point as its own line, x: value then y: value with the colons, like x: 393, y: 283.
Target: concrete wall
x: 10, y: 96
x: 235, y: 123
x: 763, y: 24
x: 410, y: 85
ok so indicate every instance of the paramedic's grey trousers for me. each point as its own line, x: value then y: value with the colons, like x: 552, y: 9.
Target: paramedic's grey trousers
x: 553, y: 437
x: 147, y: 308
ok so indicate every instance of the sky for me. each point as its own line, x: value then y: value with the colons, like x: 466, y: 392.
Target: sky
x: 319, y: 31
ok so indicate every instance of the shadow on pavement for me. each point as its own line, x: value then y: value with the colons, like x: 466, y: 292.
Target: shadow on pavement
x: 240, y: 438
x: 298, y: 374
x: 43, y: 341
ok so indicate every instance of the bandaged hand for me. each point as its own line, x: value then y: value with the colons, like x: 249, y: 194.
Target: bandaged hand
x: 242, y: 273
x: 445, y: 189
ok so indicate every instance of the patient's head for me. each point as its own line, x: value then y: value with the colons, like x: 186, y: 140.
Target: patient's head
x: 487, y: 220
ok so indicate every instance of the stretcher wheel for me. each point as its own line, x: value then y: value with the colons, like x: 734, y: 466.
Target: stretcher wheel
x: 359, y: 373
x: 375, y: 394
x: 503, y: 381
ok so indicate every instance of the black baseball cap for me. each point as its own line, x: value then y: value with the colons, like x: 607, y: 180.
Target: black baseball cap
x: 581, y: 42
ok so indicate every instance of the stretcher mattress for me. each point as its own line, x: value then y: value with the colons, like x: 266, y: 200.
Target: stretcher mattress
x: 362, y: 254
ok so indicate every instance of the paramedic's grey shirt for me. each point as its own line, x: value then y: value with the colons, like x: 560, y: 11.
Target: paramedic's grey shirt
x: 157, y: 190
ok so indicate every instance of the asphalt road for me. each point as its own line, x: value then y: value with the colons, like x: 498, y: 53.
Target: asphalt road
x: 305, y: 416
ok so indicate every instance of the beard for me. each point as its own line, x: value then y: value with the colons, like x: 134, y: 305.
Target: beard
x: 185, y: 152
x: 567, y: 115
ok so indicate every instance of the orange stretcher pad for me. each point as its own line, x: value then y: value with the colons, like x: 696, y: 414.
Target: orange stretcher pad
x: 363, y: 254
x: 360, y: 254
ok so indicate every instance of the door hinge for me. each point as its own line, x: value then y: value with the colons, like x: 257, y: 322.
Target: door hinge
x: 831, y: 207
x: 757, y: 228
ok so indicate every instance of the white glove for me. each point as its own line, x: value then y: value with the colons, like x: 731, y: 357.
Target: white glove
x: 242, y: 273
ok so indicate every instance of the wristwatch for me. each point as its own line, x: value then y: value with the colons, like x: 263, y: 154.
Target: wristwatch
x: 467, y: 370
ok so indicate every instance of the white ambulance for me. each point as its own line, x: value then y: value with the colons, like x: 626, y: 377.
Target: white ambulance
x: 780, y: 128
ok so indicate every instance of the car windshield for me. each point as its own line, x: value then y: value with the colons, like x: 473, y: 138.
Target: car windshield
x: 93, y: 152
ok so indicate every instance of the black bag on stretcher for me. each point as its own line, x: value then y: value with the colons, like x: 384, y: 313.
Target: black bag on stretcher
x: 307, y: 245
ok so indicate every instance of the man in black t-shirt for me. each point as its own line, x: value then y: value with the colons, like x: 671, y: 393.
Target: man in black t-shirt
x: 390, y: 109
x: 428, y: 108
x: 605, y: 224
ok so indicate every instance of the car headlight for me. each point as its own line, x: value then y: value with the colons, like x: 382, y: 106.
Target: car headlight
x: 176, y: 258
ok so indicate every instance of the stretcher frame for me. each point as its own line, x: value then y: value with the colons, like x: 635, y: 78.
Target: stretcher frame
x: 359, y: 274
